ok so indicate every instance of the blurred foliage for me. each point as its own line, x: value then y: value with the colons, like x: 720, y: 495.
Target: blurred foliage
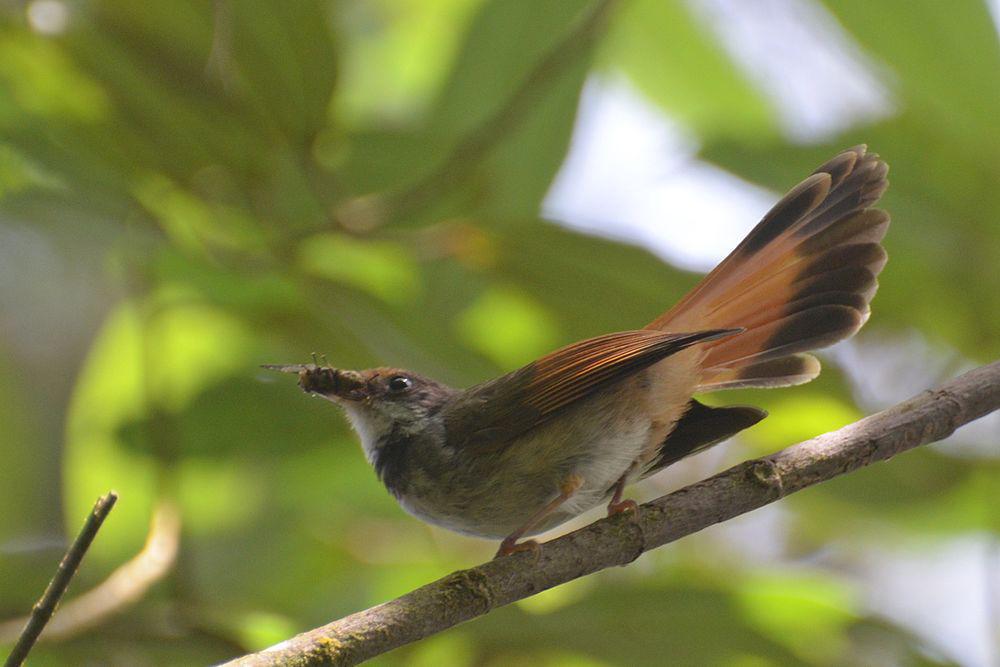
x: 189, y: 189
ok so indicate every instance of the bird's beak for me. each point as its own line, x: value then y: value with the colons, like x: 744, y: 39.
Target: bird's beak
x: 331, y: 383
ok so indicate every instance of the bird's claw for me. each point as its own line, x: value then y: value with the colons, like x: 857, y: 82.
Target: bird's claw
x: 509, y: 547
x: 623, y: 506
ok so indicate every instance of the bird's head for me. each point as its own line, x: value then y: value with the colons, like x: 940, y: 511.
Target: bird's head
x: 380, y: 402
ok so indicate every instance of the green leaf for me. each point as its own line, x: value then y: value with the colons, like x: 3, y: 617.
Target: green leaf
x: 946, y: 58
x: 395, y: 57
x: 383, y: 269
x: 677, y: 62
x: 244, y: 417
x: 592, y: 286
x: 508, y: 326
x: 488, y: 147
x: 285, y: 53
x: 808, y: 613
x: 41, y: 82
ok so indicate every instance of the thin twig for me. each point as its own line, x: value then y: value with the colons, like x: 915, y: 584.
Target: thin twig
x: 43, y: 609
x: 466, y: 594
x: 124, y: 587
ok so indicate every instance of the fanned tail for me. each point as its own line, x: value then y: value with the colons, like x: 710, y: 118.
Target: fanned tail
x: 801, y: 280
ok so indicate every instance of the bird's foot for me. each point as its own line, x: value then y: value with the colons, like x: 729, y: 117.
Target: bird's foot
x: 512, y: 546
x: 624, y: 506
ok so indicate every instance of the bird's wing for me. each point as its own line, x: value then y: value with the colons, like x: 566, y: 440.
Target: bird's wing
x: 495, y: 412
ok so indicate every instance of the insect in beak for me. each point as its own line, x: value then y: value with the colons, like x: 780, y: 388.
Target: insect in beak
x: 332, y: 383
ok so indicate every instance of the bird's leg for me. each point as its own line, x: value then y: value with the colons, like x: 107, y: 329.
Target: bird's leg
x: 511, y: 545
x: 617, y: 505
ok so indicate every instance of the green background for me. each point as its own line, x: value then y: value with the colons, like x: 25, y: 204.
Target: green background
x: 189, y: 189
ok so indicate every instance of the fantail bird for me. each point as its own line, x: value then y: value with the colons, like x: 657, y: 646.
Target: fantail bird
x: 522, y: 453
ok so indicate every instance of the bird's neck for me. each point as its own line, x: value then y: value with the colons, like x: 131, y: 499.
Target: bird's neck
x: 392, y: 458
x: 388, y: 446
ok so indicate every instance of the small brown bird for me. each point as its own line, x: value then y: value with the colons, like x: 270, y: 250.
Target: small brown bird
x: 524, y: 452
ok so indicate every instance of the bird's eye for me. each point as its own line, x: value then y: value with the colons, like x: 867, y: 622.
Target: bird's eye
x: 400, y: 383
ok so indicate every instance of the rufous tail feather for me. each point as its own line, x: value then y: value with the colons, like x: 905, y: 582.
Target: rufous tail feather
x: 801, y: 280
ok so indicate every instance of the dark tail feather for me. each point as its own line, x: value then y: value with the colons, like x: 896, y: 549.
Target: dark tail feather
x: 700, y: 428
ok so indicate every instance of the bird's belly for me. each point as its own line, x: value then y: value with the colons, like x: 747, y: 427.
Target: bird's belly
x: 493, y: 494
x: 613, y: 456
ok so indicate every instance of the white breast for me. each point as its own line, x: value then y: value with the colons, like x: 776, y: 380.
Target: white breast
x: 370, y: 427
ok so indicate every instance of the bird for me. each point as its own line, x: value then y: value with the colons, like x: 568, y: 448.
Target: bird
x: 520, y: 454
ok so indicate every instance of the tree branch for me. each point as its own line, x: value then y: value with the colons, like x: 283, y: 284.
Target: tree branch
x: 43, y: 609
x: 466, y: 594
